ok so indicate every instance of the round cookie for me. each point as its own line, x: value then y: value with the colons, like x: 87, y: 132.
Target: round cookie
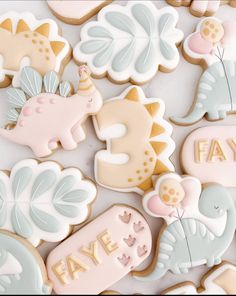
x: 42, y: 119
x: 76, y: 12
x: 198, y: 229
x: 42, y: 201
x: 130, y: 43
x: 213, y: 47
x: 27, y: 41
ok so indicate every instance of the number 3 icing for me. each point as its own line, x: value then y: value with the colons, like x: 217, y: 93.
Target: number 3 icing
x: 189, y: 237
x: 138, y: 142
x: 42, y: 201
x: 47, y: 118
x: 130, y: 42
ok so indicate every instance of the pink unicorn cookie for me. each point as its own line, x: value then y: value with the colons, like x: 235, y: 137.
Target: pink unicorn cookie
x: 47, y: 118
x: 201, y: 8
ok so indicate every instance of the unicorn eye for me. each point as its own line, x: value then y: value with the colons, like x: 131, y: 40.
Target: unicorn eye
x: 90, y: 100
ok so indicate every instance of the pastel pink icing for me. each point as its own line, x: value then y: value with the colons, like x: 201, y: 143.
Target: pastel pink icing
x: 199, y: 45
x: 229, y: 32
x: 27, y: 111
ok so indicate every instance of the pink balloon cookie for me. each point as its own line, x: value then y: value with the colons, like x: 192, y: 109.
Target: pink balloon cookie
x: 100, y: 253
x: 41, y: 119
x: 201, y: 8
x: 220, y: 280
x: 213, y: 46
x: 76, y: 12
x: 199, y: 228
x: 209, y: 153
x: 26, y: 41
x: 138, y: 141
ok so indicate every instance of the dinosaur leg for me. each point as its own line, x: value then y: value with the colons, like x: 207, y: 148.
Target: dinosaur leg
x: 41, y: 150
x: 213, y: 115
x: 176, y: 269
x: 217, y: 261
x: 67, y: 141
x: 210, y: 261
x: 78, y: 134
x: 183, y: 270
x: 222, y: 114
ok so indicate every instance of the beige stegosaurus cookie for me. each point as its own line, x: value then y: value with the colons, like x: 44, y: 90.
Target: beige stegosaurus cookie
x: 201, y: 8
x: 26, y: 41
x: 138, y: 141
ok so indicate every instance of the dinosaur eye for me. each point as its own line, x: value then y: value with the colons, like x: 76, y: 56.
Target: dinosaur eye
x: 216, y: 207
x: 90, y: 100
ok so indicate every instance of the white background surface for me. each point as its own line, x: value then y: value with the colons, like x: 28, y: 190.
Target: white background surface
x: 177, y: 89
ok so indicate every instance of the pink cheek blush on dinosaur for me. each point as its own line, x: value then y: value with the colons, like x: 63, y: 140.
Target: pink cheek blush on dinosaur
x: 101, y: 253
x: 64, y: 114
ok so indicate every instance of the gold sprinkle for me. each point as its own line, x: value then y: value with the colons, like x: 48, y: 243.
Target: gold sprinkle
x: 145, y: 163
x: 138, y: 172
x: 35, y: 34
x: 146, y: 170
x: 41, y: 42
x: 47, y: 58
x: 146, y: 152
x: 46, y: 49
x: 130, y: 180
x: 140, y: 178
x: 26, y: 35
x: 34, y: 41
x: 151, y: 159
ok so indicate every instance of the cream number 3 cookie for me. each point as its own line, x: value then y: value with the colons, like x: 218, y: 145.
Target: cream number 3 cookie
x: 138, y: 141
x: 130, y: 42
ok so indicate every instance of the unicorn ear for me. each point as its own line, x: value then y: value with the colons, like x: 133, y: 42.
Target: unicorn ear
x: 155, y: 207
x: 192, y: 188
x: 7, y: 25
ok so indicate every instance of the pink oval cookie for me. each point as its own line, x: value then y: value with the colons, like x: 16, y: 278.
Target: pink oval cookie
x: 101, y: 253
x: 209, y: 153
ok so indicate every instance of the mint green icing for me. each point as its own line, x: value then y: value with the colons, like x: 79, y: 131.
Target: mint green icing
x: 51, y: 82
x: 166, y: 22
x: 20, y: 181
x: 16, y: 97
x: 188, y: 242
x: 121, y: 22
x: 63, y: 187
x: 65, y: 88
x: 75, y: 196
x: 43, y: 183
x: 43, y: 220
x: 93, y: 46
x: 30, y: 280
x: 31, y: 81
x: 124, y: 57
x: 67, y: 210
x: 145, y: 60
x: 216, y: 94
x: 20, y: 223
x: 144, y: 17
x: 167, y: 50
x: 99, y: 32
x: 104, y: 56
x: 12, y: 115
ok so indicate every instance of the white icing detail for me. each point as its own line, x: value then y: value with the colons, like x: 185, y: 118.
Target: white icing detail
x: 193, y: 226
x: 202, y: 229
x: 210, y: 77
x: 169, y: 236
x: 179, y: 229
x: 201, y: 96
x: 199, y: 105
x: 220, y: 69
x: 211, y: 236
x: 160, y: 265
x: 5, y: 279
x: 205, y: 86
x: 166, y: 247
x: 163, y: 256
x: 17, y: 276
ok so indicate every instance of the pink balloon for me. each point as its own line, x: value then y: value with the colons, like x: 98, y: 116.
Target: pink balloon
x: 158, y: 208
x: 199, y: 45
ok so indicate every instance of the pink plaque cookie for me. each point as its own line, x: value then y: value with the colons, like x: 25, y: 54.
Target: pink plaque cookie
x: 209, y: 153
x: 101, y: 253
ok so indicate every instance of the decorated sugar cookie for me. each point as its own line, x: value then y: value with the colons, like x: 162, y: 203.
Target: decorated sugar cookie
x: 199, y: 226
x: 130, y: 42
x: 22, y: 269
x: 77, y: 11
x: 202, y: 7
x: 101, y: 253
x: 26, y: 41
x: 209, y: 153
x: 40, y: 201
x: 138, y: 141
x: 40, y: 118
x: 220, y: 280
x: 213, y: 46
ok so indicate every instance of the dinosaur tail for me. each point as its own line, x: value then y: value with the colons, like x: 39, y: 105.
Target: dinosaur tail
x: 146, y: 276
x: 8, y: 134
x: 195, y: 115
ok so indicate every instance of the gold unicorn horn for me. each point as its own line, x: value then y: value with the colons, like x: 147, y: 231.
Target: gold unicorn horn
x: 86, y: 86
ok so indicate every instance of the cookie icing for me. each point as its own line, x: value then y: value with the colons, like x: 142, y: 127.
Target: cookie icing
x: 202, y: 8
x: 118, y: 240
x: 76, y: 12
x: 22, y: 269
x: 27, y: 41
x: 130, y: 42
x: 40, y: 201
x: 218, y: 281
x: 188, y: 239
x: 209, y: 153
x: 212, y: 43
x: 138, y: 141
x: 46, y: 118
